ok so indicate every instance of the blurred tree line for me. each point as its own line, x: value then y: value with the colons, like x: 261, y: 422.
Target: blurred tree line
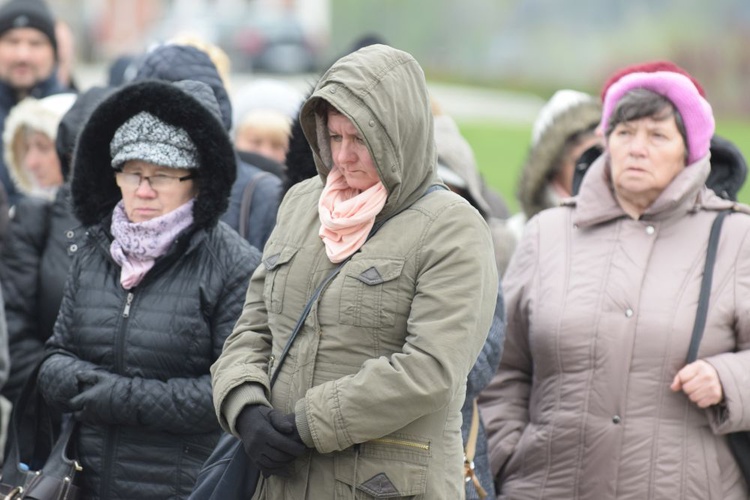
x: 542, y: 45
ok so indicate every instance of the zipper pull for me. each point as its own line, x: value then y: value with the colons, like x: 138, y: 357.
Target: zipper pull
x: 128, y: 301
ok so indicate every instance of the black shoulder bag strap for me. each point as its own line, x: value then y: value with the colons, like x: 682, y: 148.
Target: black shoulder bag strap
x: 705, y: 291
x: 739, y: 442
x: 325, y: 283
x: 227, y: 473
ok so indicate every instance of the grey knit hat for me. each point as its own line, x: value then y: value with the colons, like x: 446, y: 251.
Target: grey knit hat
x: 145, y: 137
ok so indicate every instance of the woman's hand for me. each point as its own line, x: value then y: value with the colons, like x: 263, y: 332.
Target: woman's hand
x: 700, y: 382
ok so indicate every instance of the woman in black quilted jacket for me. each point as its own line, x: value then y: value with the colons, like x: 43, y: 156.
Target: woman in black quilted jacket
x: 153, y: 292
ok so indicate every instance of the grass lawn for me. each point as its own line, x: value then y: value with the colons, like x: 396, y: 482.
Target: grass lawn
x: 500, y: 150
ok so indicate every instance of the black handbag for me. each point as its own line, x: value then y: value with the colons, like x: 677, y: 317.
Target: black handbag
x: 739, y: 442
x: 56, y: 478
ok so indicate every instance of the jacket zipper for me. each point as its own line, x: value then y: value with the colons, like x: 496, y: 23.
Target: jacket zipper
x: 402, y: 442
x: 128, y: 301
x: 112, y: 434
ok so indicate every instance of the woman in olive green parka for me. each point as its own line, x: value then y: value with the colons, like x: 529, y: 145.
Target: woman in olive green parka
x: 375, y: 380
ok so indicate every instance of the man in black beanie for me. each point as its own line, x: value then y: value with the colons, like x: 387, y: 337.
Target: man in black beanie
x: 28, y: 57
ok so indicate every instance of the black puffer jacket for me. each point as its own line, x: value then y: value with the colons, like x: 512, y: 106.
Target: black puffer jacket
x: 34, y: 266
x: 44, y: 235
x: 148, y: 433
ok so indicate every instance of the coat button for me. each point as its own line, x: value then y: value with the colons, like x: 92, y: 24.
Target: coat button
x: 616, y: 419
x: 628, y: 312
x: 650, y: 230
x: 69, y: 234
x: 73, y: 247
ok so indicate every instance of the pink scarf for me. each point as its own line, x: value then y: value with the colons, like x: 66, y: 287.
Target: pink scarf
x: 347, y: 215
x: 136, y: 245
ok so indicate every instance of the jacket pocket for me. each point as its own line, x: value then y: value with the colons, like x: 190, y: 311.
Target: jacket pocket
x: 391, y: 467
x: 191, y: 460
x: 369, y: 294
x: 277, y: 266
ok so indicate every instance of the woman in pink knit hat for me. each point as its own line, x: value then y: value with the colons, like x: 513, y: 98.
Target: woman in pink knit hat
x: 594, y: 398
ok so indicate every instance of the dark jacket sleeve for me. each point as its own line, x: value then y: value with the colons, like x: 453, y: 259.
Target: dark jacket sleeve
x: 479, y: 376
x: 57, y: 376
x: 263, y: 210
x: 180, y: 405
x: 19, y: 272
x: 4, y: 358
x: 489, y: 358
x: 4, y: 216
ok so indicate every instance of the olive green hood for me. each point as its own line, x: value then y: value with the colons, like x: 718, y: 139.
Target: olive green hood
x: 383, y: 91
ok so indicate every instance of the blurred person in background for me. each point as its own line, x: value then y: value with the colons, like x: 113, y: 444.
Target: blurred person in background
x: 564, y: 128
x: 403, y: 322
x: 28, y: 59
x: 45, y: 235
x: 153, y: 292
x: 275, y: 103
x: 300, y: 164
x: 593, y: 398
x: 29, y: 145
x: 728, y: 164
x: 255, y: 195
x: 66, y: 55
x: 264, y: 132
x: 457, y: 168
x: 122, y: 70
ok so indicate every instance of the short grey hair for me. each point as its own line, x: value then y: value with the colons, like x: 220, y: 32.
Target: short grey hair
x: 643, y: 103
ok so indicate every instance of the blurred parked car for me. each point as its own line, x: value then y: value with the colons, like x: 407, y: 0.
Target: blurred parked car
x: 255, y: 39
x: 273, y: 43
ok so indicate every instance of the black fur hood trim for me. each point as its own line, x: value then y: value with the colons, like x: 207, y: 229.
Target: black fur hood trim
x: 93, y: 187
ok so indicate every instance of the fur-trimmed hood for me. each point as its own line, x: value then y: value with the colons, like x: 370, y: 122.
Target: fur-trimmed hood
x: 41, y: 115
x: 534, y: 193
x: 189, y: 105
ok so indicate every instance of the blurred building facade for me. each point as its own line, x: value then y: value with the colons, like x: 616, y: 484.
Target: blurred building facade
x: 540, y: 45
x: 106, y: 29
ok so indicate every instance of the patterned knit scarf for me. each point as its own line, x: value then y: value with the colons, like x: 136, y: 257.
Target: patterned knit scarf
x: 347, y: 215
x: 136, y: 245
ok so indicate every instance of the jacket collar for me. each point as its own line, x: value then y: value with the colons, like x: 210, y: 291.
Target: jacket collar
x: 596, y: 202
x: 50, y: 86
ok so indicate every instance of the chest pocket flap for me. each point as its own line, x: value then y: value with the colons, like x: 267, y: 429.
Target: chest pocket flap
x: 380, y: 272
x: 277, y: 264
x: 370, y: 292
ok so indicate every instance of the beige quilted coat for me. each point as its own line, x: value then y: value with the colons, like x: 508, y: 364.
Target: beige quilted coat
x: 600, y: 312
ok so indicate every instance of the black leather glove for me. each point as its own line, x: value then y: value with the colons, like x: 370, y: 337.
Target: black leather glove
x: 270, y: 438
x: 99, y: 389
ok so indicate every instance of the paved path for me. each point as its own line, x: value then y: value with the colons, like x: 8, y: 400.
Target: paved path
x: 463, y: 103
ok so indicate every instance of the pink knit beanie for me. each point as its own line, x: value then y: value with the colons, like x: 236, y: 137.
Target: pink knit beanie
x: 695, y: 110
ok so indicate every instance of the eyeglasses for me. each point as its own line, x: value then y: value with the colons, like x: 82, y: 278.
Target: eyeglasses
x: 157, y: 181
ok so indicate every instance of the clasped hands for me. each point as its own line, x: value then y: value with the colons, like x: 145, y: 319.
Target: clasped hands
x: 270, y: 439
x: 700, y: 382
x: 92, y: 403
